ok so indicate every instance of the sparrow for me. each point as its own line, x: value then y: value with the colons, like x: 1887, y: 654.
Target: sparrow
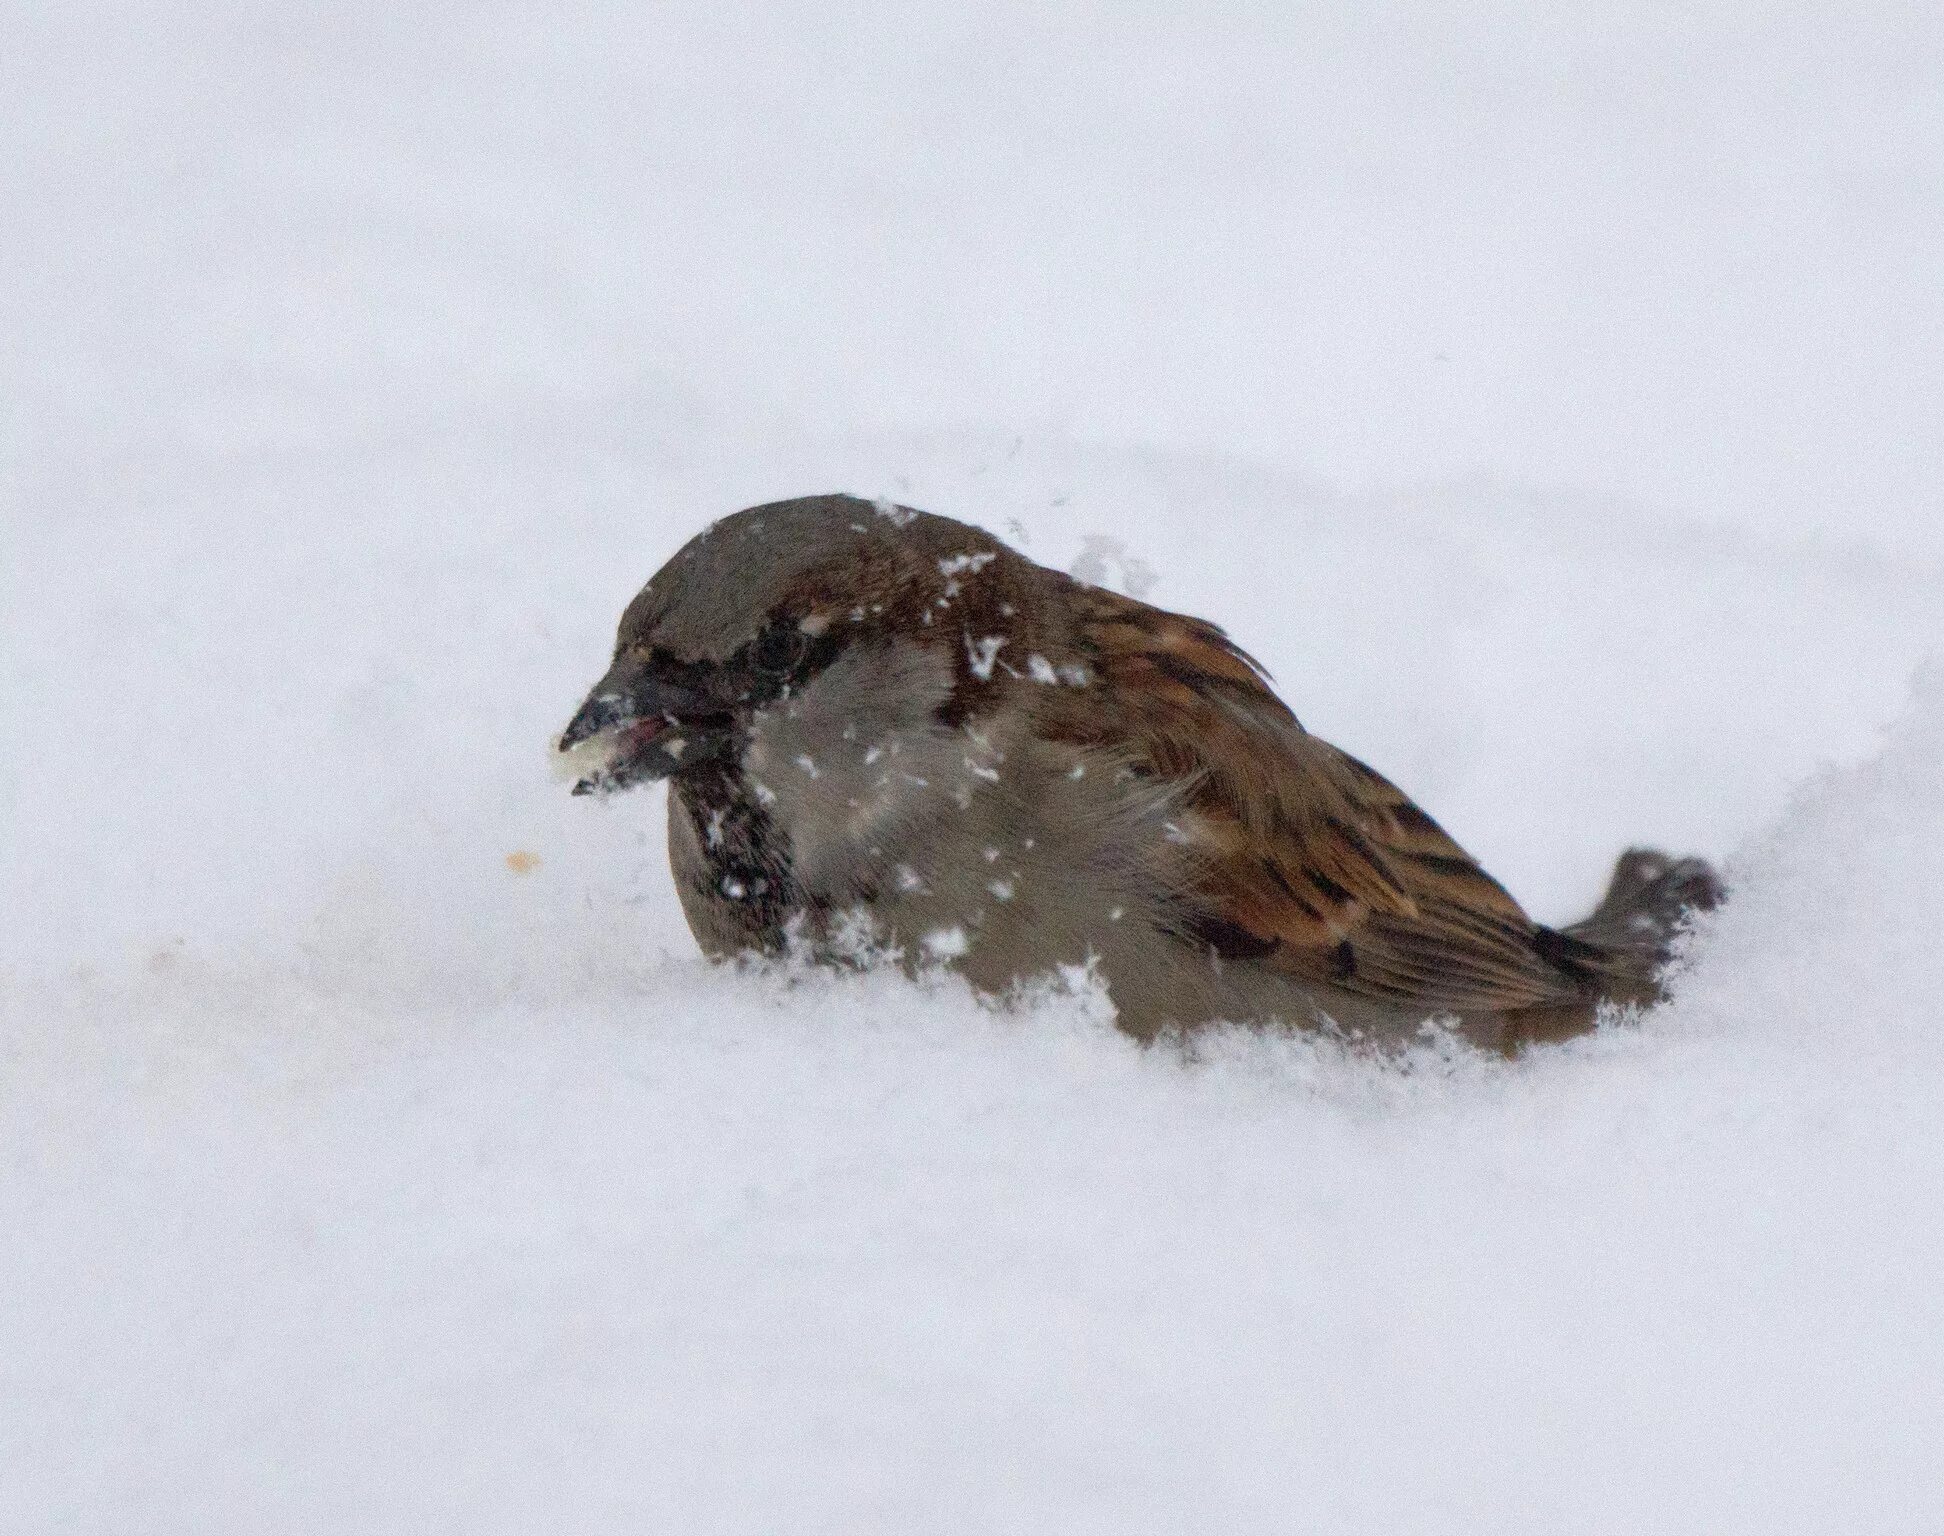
x: 887, y: 732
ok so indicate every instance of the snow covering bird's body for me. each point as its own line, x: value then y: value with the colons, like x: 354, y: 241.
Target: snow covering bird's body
x: 887, y: 731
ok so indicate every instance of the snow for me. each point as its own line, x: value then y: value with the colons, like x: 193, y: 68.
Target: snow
x: 1547, y: 396
x: 982, y: 653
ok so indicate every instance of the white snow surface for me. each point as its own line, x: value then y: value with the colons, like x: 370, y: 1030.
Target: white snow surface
x: 1549, y: 396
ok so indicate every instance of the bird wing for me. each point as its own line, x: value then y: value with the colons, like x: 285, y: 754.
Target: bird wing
x: 1304, y: 860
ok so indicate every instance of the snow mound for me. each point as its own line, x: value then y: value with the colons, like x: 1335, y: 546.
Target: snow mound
x: 682, y: 1249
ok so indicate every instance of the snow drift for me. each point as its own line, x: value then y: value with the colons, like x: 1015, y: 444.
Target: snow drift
x: 384, y: 1243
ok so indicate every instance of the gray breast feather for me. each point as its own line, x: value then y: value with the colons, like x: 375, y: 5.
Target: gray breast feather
x: 852, y: 768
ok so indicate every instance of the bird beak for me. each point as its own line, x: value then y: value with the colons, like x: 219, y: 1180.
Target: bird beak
x: 605, y: 709
x: 634, y: 727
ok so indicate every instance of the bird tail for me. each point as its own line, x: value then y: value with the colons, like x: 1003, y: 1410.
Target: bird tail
x: 1617, y: 954
x: 1636, y: 922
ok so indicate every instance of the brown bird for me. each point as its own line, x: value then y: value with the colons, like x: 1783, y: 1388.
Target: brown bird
x: 887, y: 731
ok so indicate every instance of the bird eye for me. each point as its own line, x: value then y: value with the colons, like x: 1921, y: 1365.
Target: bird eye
x: 778, y: 649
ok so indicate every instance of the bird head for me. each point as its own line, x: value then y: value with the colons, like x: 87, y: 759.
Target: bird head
x: 748, y: 613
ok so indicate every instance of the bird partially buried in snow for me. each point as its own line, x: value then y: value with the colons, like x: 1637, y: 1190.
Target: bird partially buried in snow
x: 887, y: 729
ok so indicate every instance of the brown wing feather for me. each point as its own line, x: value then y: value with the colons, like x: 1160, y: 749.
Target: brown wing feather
x: 1311, y: 863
